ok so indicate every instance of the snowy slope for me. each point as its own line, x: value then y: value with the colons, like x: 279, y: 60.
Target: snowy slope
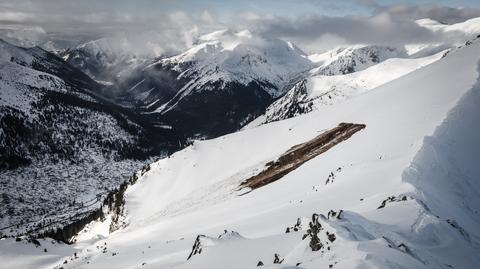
x: 393, y: 180
x: 320, y: 90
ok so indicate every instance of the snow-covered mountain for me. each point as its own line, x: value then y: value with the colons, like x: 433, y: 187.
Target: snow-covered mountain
x: 364, y: 183
x: 62, y: 148
x: 318, y: 90
x: 243, y: 58
x: 238, y: 75
x: 345, y: 72
x: 347, y: 60
x: 217, y: 86
x: 364, y: 156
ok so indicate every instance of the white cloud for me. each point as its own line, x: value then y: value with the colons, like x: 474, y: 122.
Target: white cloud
x: 443, y: 14
x: 13, y: 16
x: 26, y: 36
x: 170, y: 31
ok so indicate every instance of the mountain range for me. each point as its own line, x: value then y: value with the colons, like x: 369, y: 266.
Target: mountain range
x: 241, y: 151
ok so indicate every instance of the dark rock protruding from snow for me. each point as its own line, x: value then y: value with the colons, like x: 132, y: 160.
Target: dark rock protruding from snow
x: 203, y: 241
x: 392, y: 199
x: 312, y: 233
x: 331, y: 236
x: 295, y: 228
x: 232, y: 234
x: 333, y: 214
x: 197, y: 246
x: 277, y: 259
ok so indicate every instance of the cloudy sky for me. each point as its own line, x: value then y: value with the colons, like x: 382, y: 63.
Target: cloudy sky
x: 169, y: 25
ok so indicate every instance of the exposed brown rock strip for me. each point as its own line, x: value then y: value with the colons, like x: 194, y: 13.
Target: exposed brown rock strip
x: 299, y: 154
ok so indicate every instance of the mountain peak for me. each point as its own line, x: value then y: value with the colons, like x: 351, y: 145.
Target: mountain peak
x: 244, y: 56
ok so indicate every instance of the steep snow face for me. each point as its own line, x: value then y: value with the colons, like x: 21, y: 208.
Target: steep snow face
x: 445, y: 170
x: 352, y: 59
x: 320, y: 90
x: 390, y: 218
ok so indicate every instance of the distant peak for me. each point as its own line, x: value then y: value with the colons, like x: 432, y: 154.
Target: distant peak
x: 244, y: 34
x: 213, y: 35
x: 427, y: 21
